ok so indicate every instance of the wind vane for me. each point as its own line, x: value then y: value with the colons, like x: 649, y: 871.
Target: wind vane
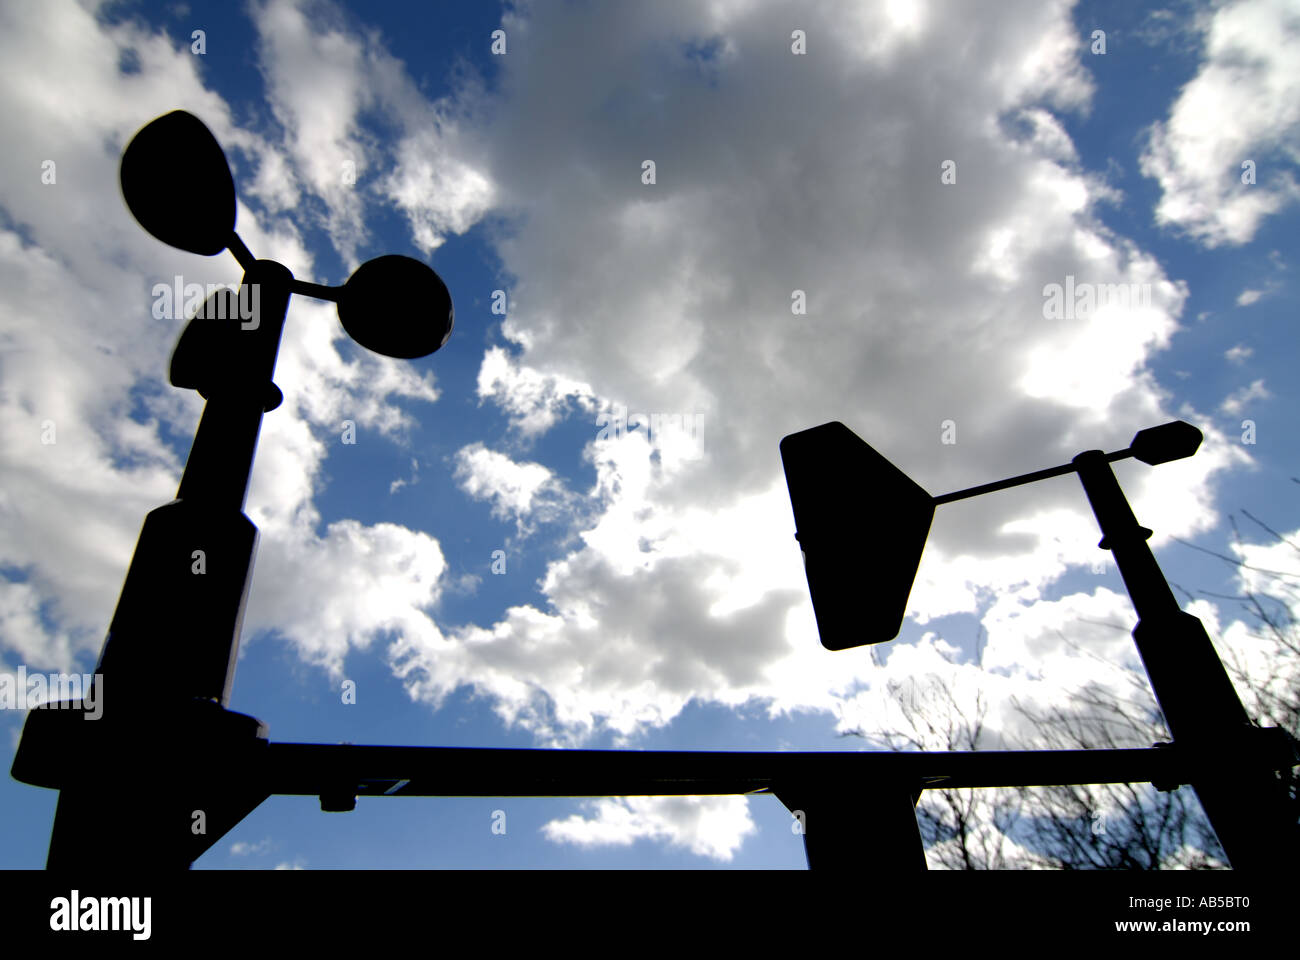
x: 863, y: 523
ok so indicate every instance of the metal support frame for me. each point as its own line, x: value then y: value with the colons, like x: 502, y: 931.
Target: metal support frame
x: 168, y: 660
x: 1244, y: 800
x: 852, y: 807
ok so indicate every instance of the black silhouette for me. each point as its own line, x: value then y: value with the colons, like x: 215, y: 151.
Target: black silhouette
x: 168, y: 660
x: 168, y: 769
x: 1231, y: 763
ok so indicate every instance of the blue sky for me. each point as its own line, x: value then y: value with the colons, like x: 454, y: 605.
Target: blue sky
x: 653, y: 595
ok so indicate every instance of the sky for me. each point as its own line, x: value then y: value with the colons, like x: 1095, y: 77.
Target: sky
x: 756, y: 217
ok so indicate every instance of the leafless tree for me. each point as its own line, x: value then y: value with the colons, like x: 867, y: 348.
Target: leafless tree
x: 962, y: 829
x: 1121, y: 826
x: 1266, y: 669
x: 1102, y: 826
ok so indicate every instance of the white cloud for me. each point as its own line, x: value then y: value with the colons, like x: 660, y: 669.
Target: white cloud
x: 1242, y: 107
x: 402, y: 482
x: 78, y: 331
x: 439, y: 192
x: 534, y: 399
x: 711, y: 827
x: 1237, y: 401
x: 777, y: 173
x: 314, y: 75
x: 243, y: 848
x: 275, y: 185
x: 1238, y: 354
x: 1247, y: 297
x: 524, y: 492
x: 322, y: 76
x: 331, y: 594
x: 22, y: 631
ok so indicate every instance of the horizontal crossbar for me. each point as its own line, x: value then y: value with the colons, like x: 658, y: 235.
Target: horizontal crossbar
x: 342, y: 769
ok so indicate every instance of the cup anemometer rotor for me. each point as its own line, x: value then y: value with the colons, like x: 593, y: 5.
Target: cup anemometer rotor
x: 178, y: 185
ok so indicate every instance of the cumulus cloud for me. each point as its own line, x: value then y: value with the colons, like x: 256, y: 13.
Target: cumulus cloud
x: 1238, y: 354
x: 339, y: 592
x: 1237, y: 401
x: 439, y: 192
x: 244, y: 849
x: 323, y: 76
x: 402, y: 481
x: 524, y: 492
x: 711, y: 827
x: 536, y: 401
x: 1226, y: 157
x: 82, y: 456
x: 315, y: 76
x: 778, y: 173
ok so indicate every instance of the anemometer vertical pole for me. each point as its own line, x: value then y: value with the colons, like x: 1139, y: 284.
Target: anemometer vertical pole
x: 175, y: 634
x: 169, y: 659
x: 162, y: 772
x: 221, y: 459
x: 1243, y: 798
